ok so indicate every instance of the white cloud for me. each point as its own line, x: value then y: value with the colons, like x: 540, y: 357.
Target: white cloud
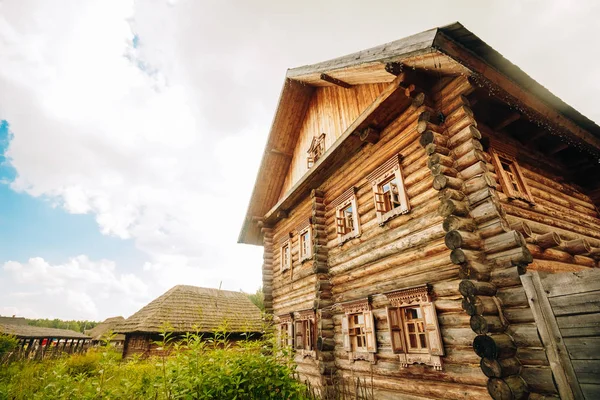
x: 78, y: 289
x: 161, y: 142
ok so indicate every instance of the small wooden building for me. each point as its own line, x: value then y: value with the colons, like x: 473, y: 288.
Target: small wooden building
x: 192, y: 309
x: 100, y: 332
x: 39, y: 343
x: 403, y: 192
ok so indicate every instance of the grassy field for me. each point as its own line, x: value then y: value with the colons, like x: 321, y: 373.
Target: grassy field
x: 196, y: 369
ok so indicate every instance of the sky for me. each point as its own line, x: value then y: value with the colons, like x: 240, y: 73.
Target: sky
x: 131, y: 131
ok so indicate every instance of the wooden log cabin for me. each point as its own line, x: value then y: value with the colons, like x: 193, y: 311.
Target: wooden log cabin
x: 402, y: 193
x: 190, y: 309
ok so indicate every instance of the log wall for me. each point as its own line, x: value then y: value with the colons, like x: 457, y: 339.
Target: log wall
x: 331, y: 110
x: 562, y: 227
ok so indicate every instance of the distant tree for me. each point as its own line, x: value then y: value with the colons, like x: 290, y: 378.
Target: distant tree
x: 74, y: 325
x: 258, y: 298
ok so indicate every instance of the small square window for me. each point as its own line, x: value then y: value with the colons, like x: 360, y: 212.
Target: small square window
x: 511, y: 177
x: 388, y: 190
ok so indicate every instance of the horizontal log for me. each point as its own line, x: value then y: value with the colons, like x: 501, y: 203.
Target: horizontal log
x: 439, y: 159
x: 483, y: 324
x: 479, y: 305
x: 476, y: 288
x: 494, y: 346
x: 442, y: 181
x: 439, y: 169
x: 450, y: 194
x: 462, y: 239
x: 493, y: 368
x: 504, y: 241
x: 474, y: 270
x: 509, y: 388
x: 476, y: 169
x: 433, y: 148
x: 459, y: 114
x: 523, y: 228
x: 460, y: 256
x: 467, y: 133
x: 453, y: 207
x: 436, y: 138
x: 576, y: 246
x: 454, y: 222
x: 468, y: 146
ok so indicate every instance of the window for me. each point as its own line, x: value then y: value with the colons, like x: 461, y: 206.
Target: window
x: 316, y: 150
x: 358, y: 330
x: 304, y: 327
x: 346, y: 213
x: 286, y: 256
x: 305, y: 240
x: 286, y: 331
x: 388, y: 190
x: 511, y: 177
x: 413, y: 327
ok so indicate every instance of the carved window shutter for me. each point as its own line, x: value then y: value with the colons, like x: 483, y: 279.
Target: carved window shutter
x: 380, y: 203
x: 395, y: 329
x: 521, y: 179
x: 290, y: 338
x: 370, y: 332
x: 432, y: 328
x: 299, y: 334
x: 345, y: 333
x: 341, y: 225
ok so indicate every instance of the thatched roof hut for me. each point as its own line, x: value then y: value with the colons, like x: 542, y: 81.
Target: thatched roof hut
x: 37, y: 332
x: 110, y: 324
x: 190, y: 309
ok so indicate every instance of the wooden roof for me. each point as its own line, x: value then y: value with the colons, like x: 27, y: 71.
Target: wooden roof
x: 449, y: 50
x: 13, y: 320
x: 194, y: 309
x: 36, y: 332
x: 109, y: 324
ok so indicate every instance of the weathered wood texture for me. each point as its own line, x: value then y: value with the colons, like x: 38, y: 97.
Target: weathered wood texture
x: 331, y: 111
x: 567, y: 310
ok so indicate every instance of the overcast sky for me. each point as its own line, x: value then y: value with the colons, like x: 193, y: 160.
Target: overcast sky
x: 132, y: 130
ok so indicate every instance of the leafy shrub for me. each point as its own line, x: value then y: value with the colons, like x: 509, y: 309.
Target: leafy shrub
x: 194, y: 369
x: 7, y: 343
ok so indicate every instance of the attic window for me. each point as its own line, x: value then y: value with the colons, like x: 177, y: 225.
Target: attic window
x: 316, y: 150
x: 346, y: 215
x: 413, y: 327
x: 511, y: 177
x: 388, y: 190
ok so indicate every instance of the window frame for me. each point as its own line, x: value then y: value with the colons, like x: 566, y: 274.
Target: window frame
x: 305, y: 332
x: 389, y: 170
x: 315, y: 150
x: 367, y: 328
x: 286, y: 325
x: 284, y: 266
x: 522, y: 192
x: 413, y: 298
x: 305, y: 254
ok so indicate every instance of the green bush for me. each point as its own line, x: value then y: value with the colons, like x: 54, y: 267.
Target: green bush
x: 195, y: 369
x: 7, y: 343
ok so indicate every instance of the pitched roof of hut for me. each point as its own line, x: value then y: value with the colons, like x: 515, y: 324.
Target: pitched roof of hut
x: 194, y: 309
x: 13, y: 320
x: 32, y: 332
x: 449, y: 50
x: 109, y: 324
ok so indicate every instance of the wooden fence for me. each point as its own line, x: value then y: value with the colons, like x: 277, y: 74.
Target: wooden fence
x: 566, y: 308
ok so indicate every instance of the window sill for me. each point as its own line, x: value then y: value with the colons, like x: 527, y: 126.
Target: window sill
x: 347, y: 237
x: 407, y: 359
x: 362, y: 356
x: 383, y: 218
x: 307, y: 353
x: 305, y: 259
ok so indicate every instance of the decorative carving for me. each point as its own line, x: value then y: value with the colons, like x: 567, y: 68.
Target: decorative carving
x: 286, y: 318
x: 413, y: 295
x: 356, y: 306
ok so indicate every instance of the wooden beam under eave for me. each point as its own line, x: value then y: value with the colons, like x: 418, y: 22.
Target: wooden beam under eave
x: 390, y: 103
x: 335, y: 81
x: 519, y: 97
x: 530, y: 139
x: 281, y: 153
x: 557, y: 148
x: 512, y: 117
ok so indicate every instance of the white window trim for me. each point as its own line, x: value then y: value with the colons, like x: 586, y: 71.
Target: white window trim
x: 411, y: 297
x: 360, y: 307
x: 308, y: 255
x: 355, y: 220
x: 390, y: 168
x: 285, y: 266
